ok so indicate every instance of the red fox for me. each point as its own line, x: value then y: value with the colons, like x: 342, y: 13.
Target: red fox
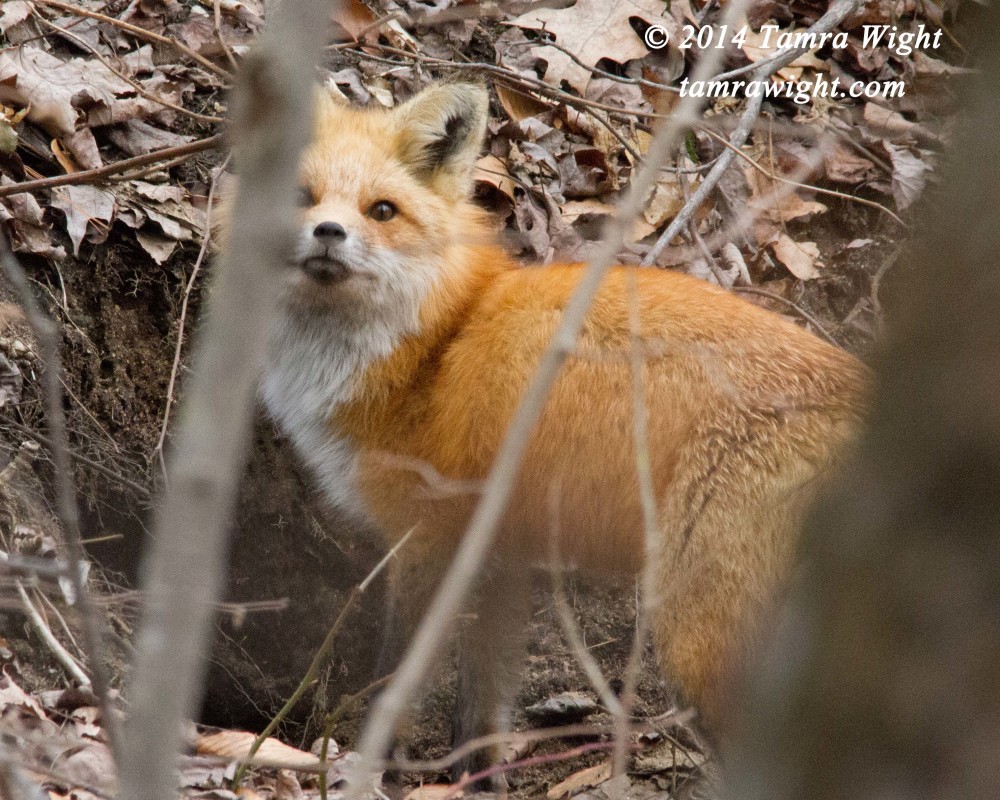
x: 405, y: 344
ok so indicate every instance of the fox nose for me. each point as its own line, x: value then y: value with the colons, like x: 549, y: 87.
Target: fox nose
x: 330, y: 231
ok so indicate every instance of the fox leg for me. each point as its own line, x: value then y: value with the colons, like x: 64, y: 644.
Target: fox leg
x: 414, y: 576
x: 491, y: 647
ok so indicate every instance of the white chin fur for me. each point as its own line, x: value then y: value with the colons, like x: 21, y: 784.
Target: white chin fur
x: 327, y: 336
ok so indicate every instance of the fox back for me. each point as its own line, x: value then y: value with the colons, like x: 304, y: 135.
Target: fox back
x: 407, y: 340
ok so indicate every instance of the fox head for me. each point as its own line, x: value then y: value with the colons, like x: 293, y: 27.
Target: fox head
x: 384, y: 198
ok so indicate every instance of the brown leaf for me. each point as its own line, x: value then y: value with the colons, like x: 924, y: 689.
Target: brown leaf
x: 592, y: 30
x: 579, y: 781
x: 492, y: 171
x: 236, y: 745
x: 667, y: 199
x: 14, y: 11
x: 81, y: 205
x: 761, y: 45
x: 799, y: 257
x: 13, y: 695
x: 909, y: 174
x: 519, y: 105
x: 844, y: 165
x: 766, y: 199
x: 431, y: 791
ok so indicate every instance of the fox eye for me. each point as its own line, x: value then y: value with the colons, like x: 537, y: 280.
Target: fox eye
x: 304, y: 197
x: 382, y: 211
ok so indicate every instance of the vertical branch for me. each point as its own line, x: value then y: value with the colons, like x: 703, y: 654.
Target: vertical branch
x: 500, y: 481
x: 272, y: 109
x: 47, y: 334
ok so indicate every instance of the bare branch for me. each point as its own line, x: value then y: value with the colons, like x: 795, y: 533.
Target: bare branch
x: 185, y: 568
x: 95, y: 175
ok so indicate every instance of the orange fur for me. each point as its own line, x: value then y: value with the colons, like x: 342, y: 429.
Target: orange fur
x: 745, y: 409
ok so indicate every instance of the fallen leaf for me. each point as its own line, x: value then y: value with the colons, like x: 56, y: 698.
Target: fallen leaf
x: 81, y: 205
x: 562, y: 708
x: 158, y: 246
x: 909, y: 174
x: 767, y: 199
x: 799, y: 257
x: 844, y: 165
x: 592, y: 30
x: 667, y: 199
x: 235, y: 745
x: 431, y: 791
x: 579, y: 781
x: 761, y: 45
x: 492, y: 171
x: 13, y: 695
x: 519, y: 105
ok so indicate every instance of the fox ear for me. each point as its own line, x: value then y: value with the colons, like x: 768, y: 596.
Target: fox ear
x: 440, y: 132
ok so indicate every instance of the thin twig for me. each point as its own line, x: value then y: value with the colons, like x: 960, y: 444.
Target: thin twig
x: 175, y: 366
x: 47, y: 335
x: 141, y: 33
x: 95, y: 175
x: 61, y: 653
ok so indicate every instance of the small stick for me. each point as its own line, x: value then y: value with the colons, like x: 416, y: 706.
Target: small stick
x: 94, y: 175
x: 61, y: 653
x: 175, y: 366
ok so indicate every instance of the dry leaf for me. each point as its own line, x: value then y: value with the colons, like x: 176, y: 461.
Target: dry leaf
x: 885, y: 122
x: 14, y: 11
x: 799, y: 257
x: 13, y: 695
x: 579, y: 781
x: 755, y: 49
x: 82, y: 204
x: 236, y: 745
x: 491, y: 170
x: 667, y: 199
x: 843, y: 165
x: 766, y: 201
x: 909, y: 174
x: 592, y: 30
x: 431, y: 791
x: 519, y: 105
